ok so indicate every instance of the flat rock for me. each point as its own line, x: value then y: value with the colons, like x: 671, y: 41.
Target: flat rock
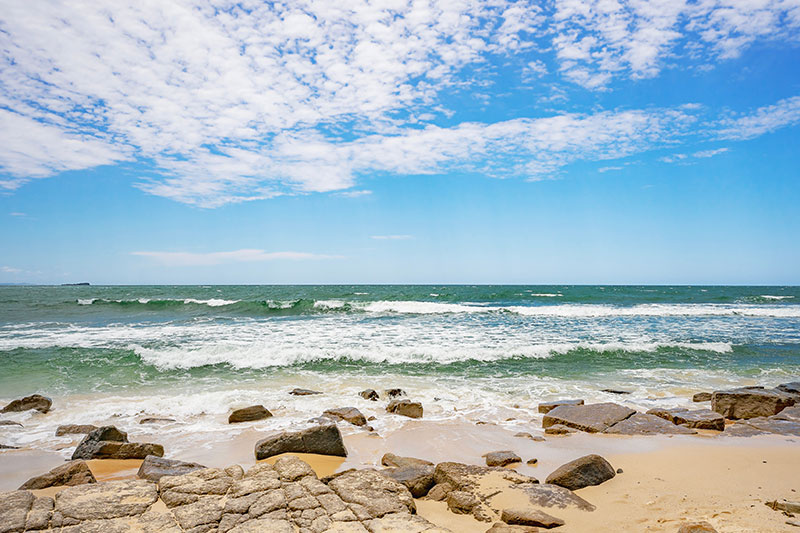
x: 154, y: 468
x: 10, y: 423
x: 645, y: 424
x: 546, y: 407
x: 697, y: 527
x: 417, y: 479
x: 34, y: 401
x: 790, y: 413
x: 784, y: 505
x: 249, y: 414
x: 373, y: 492
x: 750, y: 403
x: 559, y: 429
x: 582, y: 472
x: 74, y: 429
x: 392, y: 460
x: 791, y: 388
x: 69, y: 474
x: 370, y: 394
x: 20, y: 511
x: 697, y: 419
x: 702, y: 397
x: 615, y: 391
x: 554, y: 496
x: 530, y: 517
x: 742, y: 429
x: 775, y: 425
x: 323, y: 439
x: 405, y: 408
x: 156, y: 420
x: 502, y: 458
x: 303, y: 392
x: 108, y: 500
x: 398, y: 523
x: 348, y: 414
x: 593, y: 418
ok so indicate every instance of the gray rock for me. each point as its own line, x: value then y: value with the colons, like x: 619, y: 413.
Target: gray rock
x: 548, y: 495
x: 582, y: 472
x: 396, y: 523
x: 322, y: 439
x: 395, y: 393
x: 103, y: 501
x: 502, y: 458
x: 742, y: 429
x: 303, y: 392
x: 439, y: 491
x: 593, y: 418
x: 697, y: 527
x: 559, y: 429
x: 615, y: 391
x: 369, y: 394
x: 34, y: 401
x: 775, y: 425
x: 697, y: 419
x: 70, y: 474
x: 375, y: 493
x: 530, y: 517
x: 8, y: 447
x: 462, y: 502
x: 791, y: 388
x: 74, y: 429
x: 405, y: 408
x: 646, y: 424
x: 546, y: 407
x: 417, y: 479
x: 108, y: 442
x: 750, y: 403
x: 790, y: 413
x: 702, y: 397
x: 396, y: 461
x: 784, y: 505
x: 249, y: 414
x: 20, y: 510
x: 348, y: 414
x: 154, y: 468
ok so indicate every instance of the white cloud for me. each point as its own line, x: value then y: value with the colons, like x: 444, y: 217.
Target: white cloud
x: 703, y: 154
x: 10, y: 270
x: 764, y: 120
x: 392, y: 237
x: 17, y: 214
x: 603, y: 170
x: 355, y: 194
x: 236, y: 256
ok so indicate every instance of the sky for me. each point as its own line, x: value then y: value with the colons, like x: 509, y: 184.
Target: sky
x: 394, y: 141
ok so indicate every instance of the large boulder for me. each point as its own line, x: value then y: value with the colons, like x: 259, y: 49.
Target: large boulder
x: 154, y: 468
x: 582, y: 472
x: 502, y: 458
x: 417, y: 479
x: 405, y: 408
x: 525, y: 516
x: 34, y: 401
x: 750, y: 403
x: 348, y: 414
x: 108, y: 442
x: 546, y: 407
x: 249, y: 414
x: 324, y: 439
x: 69, y: 474
x: 593, y: 418
x: 74, y: 429
x: 646, y: 424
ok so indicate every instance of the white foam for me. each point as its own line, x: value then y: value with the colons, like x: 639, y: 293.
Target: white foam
x: 772, y: 297
x: 213, y: 302
x: 329, y: 304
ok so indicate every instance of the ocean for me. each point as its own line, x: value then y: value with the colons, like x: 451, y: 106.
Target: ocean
x: 192, y: 353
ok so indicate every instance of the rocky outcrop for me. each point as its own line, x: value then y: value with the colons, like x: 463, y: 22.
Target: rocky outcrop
x: 74, y: 429
x: 697, y: 419
x: 546, y: 407
x: 249, y: 414
x: 750, y: 402
x: 702, y: 397
x: 348, y: 414
x: 647, y: 424
x: 530, y: 517
x: 417, y: 479
x: 582, y: 472
x: 34, y: 401
x: 324, y: 439
x: 773, y: 425
x: 372, y: 494
x: 396, y: 461
x: 303, y: 392
x: 593, y: 418
x: 69, y: 474
x: 405, y: 408
x: 154, y: 468
x: 369, y: 394
x: 502, y: 458
x: 108, y: 442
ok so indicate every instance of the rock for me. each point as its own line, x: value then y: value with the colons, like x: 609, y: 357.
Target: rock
x: 647, y: 424
x: 546, y: 407
x: 323, y: 439
x: 395, y: 393
x: 791, y: 388
x: 108, y: 442
x: 7, y: 447
x: 790, y: 413
x: 750, y: 403
x: 795, y: 523
x: 71, y: 473
x: 461, y: 502
x: 34, y: 401
x: 619, y: 470
x: 548, y: 495
x: 502, y: 458
x: 74, y: 429
x: 374, y: 493
x: 697, y: 527
x: 20, y: 511
x: 532, y: 461
x: 742, y: 429
x: 593, y: 418
x: 154, y: 468
x: 501, y: 527
x: 396, y: 461
x: 784, y: 505
x: 107, y: 500
x: 405, y: 408
x: 303, y: 392
x: 698, y: 419
x: 348, y: 414
x: 615, y: 391
x: 559, y: 429
x: 439, y: 491
x: 702, y: 397
x: 369, y: 394
x: 774, y: 425
x: 9, y: 423
x: 397, y: 523
x: 156, y: 420
x: 249, y: 414
x: 582, y: 472
x: 530, y: 517
x: 417, y: 479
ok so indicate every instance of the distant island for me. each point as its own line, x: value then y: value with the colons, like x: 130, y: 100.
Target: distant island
x: 83, y: 284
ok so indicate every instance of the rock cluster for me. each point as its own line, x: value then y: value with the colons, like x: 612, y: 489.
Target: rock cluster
x: 108, y: 442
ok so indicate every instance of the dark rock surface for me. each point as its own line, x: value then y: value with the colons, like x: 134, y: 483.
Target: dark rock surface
x: 405, y: 408
x: 9, y: 423
x: 249, y: 414
x: 34, y: 401
x: 108, y: 442
x: 395, y: 393
x: 74, y: 429
x: 369, y: 394
x: 647, y: 424
x: 530, y: 517
x: 593, y: 418
x: 750, y: 403
x: 348, y: 414
x: 697, y: 419
x: 324, y: 439
x: 154, y: 468
x: 417, y: 479
x: 582, y: 472
x: 71, y: 473
x: 502, y: 458
x: 546, y: 407
x: 303, y: 392
x: 156, y: 420
x: 702, y: 397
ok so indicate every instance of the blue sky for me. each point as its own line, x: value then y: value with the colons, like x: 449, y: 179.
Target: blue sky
x: 400, y: 142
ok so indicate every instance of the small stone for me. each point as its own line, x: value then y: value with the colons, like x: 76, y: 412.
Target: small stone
x: 405, y: 408
x: 702, y: 397
x: 502, y: 458
x: 533, y: 461
x: 395, y: 393
x: 154, y: 468
x: 619, y: 470
x: 582, y: 472
x: 303, y: 392
x: 439, y: 491
x: 156, y: 420
x: 530, y: 517
x: 249, y: 414
x: 558, y: 429
x: 325, y: 439
x: 369, y: 394
x: 9, y: 423
x: 348, y: 414
x: 784, y: 505
x: 500, y: 527
x: 74, y: 429
x: 396, y: 461
x: 616, y: 391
